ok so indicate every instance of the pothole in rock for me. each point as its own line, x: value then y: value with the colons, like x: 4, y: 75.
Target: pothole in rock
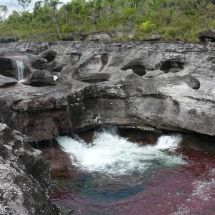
x: 136, y: 68
x: 49, y: 55
x: 193, y: 83
x: 94, y: 77
x: 172, y: 66
x: 8, y: 66
x: 104, y: 60
x: 95, y: 63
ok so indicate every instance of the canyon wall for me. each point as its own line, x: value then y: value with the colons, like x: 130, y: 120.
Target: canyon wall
x: 147, y: 85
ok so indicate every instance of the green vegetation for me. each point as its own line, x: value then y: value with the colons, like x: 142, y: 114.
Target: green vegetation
x: 51, y: 20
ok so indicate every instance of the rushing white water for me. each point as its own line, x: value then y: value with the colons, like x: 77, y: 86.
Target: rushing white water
x: 111, y: 154
x: 19, y: 69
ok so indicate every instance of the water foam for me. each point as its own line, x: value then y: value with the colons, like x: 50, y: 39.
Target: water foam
x: 111, y: 154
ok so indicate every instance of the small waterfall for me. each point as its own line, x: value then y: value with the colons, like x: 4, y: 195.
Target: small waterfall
x: 114, y: 155
x: 19, y: 70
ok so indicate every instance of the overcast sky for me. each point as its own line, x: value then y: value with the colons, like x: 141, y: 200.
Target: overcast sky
x: 14, y: 3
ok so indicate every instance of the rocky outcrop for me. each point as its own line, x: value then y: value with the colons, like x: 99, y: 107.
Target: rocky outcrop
x: 6, y: 114
x: 41, y: 78
x: 25, y: 180
x: 156, y: 85
x: 59, y: 161
x: 154, y: 37
x: 76, y: 36
x: 5, y: 81
x: 207, y: 35
x: 8, y: 39
x: 162, y: 85
x: 99, y: 36
x: 141, y: 86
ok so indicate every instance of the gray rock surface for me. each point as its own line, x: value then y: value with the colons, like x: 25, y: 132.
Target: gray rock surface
x: 154, y: 37
x: 146, y: 85
x: 99, y: 36
x: 24, y: 175
x: 207, y: 35
x: 41, y: 78
x: 157, y: 84
x: 6, y: 81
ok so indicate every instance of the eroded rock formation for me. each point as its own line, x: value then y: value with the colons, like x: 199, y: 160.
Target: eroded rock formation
x: 149, y: 85
x: 24, y: 175
x: 77, y: 86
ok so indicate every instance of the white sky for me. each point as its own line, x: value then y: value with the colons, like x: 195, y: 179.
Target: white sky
x: 14, y: 3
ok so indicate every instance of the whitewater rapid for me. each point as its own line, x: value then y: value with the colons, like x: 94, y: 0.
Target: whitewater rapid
x: 114, y: 155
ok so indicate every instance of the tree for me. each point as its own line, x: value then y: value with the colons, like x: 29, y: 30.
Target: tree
x: 24, y: 3
x: 67, y: 7
x: 37, y: 7
x: 3, y: 12
x: 53, y: 5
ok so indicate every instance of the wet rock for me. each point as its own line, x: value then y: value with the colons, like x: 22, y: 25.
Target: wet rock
x: 25, y: 180
x: 59, y: 161
x: 30, y: 62
x: 142, y: 134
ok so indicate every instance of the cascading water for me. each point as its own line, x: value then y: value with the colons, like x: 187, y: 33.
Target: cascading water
x: 19, y: 69
x: 111, y: 154
x: 117, y: 177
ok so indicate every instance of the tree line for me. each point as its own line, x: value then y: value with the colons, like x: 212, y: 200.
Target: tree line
x: 174, y: 19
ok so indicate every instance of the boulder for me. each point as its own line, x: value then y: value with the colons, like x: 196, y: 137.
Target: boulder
x: 8, y: 39
x: 69, y: 37
x: 99, y: 36
x: 25, y: 180
x: 207, y: 35
x: 154, y: 37
x: 41, y: 78
x: 75, y: 36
